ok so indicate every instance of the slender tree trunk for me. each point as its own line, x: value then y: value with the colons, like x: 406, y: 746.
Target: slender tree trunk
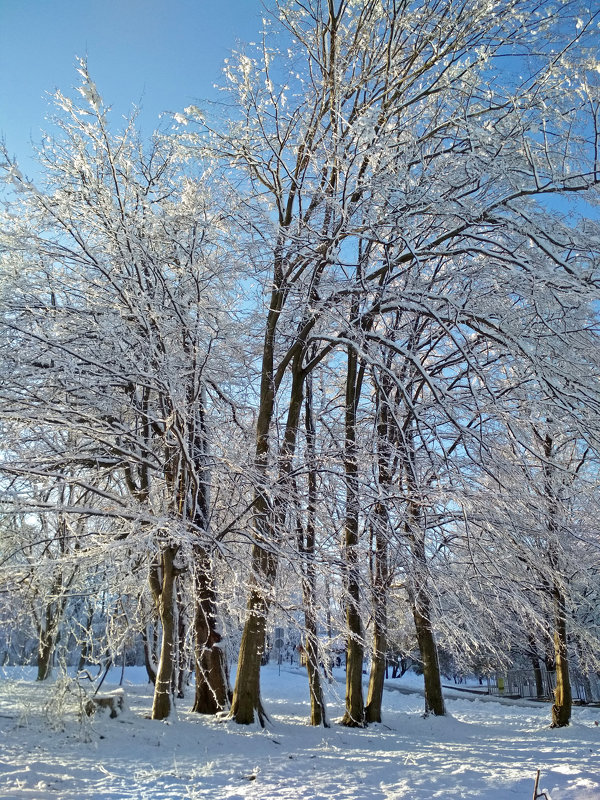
x: 537, y: 667
x: 246, y: 705
x: 45, y: 647
x: 380, y: 589
x: 163, y: 697
x: 49, y: 630
x: 212, y: 676
x: 269, y: 519
x: 149, y: 658
x: 182, y: 662
x: 537, y: 674
x: 354, y: 715
x: 85, y: 647
x: 561, y: 710
x: 379, y: 569
x: 421, y: 606
x: 318, y: 712
x: 377, y: 676
x: 434, y: 698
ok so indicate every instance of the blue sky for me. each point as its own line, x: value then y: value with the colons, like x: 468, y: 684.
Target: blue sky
x: 162, y: 54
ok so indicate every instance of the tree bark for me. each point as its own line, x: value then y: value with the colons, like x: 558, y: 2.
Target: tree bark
x: 269, y: 519
x: 419, y: 597
x: 318, y: 712
x: 354, y: 715
x: 48, y: 629
x: 86, y: 644
x: 181, y: 670
x: 563, y: 699
x: 163, y: 688
x: 434, y: 698
x: 380, y: 570
x: 149, y: 659
x: 380, y: 588
x: 246, y: 706
x: 212, y: 676
x: 537, y: 668
x: 45, y: 650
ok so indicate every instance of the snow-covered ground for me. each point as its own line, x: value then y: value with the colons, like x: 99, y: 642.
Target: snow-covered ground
x: 481, y: 750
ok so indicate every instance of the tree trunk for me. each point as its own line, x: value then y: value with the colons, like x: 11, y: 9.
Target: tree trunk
x: 181, y: 670
x: 149, y: 659
x: 354, y: 715
x: 269, y: 522
x: 380, y: 581
x: 537, y: 673
x: 563, y: 700
x: 537, y: 667
x: 48, y: 633
x: 45, y: 649
x: 246, y: 706
x: 86, y: 645
x: 163, y: 688
x: 380, y: 570
x: 212, y: 676
x: 377, y: 675
x: 561, y: 710
x: 434, y: 698
x: 421, y: 606
x: 318, y: 712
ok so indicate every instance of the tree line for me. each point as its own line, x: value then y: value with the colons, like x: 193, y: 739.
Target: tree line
x: 330, y: 352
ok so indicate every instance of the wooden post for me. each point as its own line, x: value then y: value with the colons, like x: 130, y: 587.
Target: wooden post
x: 537, y: 783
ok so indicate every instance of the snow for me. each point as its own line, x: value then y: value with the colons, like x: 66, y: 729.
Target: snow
x: 481, y: 750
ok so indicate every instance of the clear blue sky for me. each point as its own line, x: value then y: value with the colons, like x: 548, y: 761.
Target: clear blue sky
x: 162, y: 54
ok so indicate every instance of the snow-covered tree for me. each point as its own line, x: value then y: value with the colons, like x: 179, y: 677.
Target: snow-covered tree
x: 114, y: 330
x: 391, y: 160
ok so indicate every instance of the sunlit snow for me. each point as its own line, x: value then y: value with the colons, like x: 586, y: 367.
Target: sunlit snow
x: 481, y: 750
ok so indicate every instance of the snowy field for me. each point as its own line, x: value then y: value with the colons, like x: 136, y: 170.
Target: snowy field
x: 481, y: 750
